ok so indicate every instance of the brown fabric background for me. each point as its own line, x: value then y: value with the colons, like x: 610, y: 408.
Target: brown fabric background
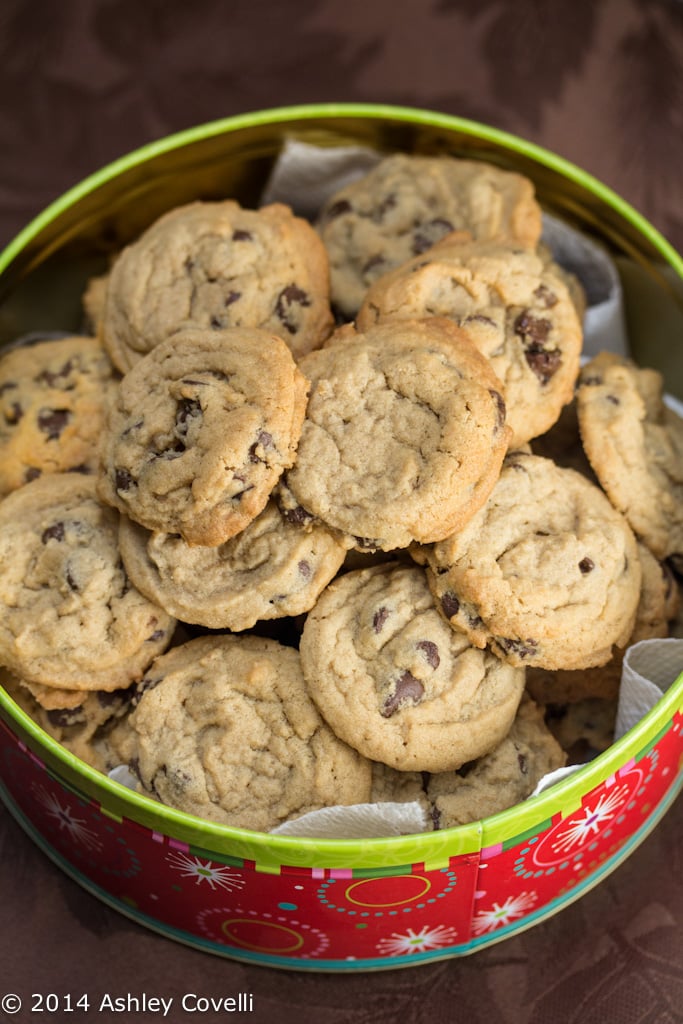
x: 601, y: 83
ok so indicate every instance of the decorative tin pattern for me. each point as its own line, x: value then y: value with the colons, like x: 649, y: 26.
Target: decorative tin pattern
x: 336, y: 918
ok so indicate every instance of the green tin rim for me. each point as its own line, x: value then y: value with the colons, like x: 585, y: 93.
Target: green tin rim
x: 567, y: 792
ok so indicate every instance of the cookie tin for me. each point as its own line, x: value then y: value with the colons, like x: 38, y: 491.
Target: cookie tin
x: 334, y: 905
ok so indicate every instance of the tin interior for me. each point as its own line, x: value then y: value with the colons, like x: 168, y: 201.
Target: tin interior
x: 43, y: 273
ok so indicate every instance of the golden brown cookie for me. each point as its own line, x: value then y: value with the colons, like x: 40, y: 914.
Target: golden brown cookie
x: 201, y: 431
x: 224, y: 729
x: 514, y: 305
x: 215, y: 265
x: 547, y: 572
x: 54, y: 397
x: 69, y: 616
x: 404, y: 434
x: 395, y: 682
x: 407, y: 203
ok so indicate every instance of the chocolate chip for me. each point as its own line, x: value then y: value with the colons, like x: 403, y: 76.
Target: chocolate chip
x: 337, y: 209
x: 264, y: 440
x: 53, y: 421
x: 13, y: 414
x: 50, y: 378
x: 123, y: 481
x: 54, y: 532
x: 231, y: 297
x: 158, y: 634
x: 586, y: 565
x: 61, y: 718
x: 373, y: 263
x: 479, y: 318
x: 545, y: 296
x: 216, y: 324
x: 379, y: 618
x: 613, y: 399
x: 544, y: 362
x: 70, y: 579
x: 32, y: 473
x: 186, y: 409
x: 305, y: 569
x: 407, y: 688
x: 429, y: 233
x: 368, y: 543
x: 500, y: 409
x: 430, y: 651
x: 240, y: 235
x: 523, y: 764
x: 387, y: 204
x: 524, y: 648
x: 450, y: 604
x: 533, y: 327
x: 297, y: 516
x: 289, y: 297
x: 592, y: 381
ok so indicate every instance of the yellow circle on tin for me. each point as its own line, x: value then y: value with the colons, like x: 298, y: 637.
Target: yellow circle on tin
x: 226, y: 926
x: 391, y: 903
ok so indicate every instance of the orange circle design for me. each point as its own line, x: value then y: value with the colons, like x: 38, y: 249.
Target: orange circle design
x: 226, y: 928
x: 369, y: 902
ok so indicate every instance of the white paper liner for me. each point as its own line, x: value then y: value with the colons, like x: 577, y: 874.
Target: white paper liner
x: 304, y: 176
x: 361, y: 821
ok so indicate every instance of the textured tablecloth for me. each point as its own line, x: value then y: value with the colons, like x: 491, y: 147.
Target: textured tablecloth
x: 601, y: 83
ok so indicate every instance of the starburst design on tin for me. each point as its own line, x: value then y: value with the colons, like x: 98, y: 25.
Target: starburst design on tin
x: 581, y: 829
x: 216, y: 876
x: 417, y: 942
x: 67, y: 821
x: 503, y: 913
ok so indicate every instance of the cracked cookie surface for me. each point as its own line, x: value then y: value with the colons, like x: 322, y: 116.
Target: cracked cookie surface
x: 272, y: 568
x: 200, y: 434
x: 404, y: 434
x: 54, y: 397
x: 514, y: 305
x: 395, y: 681
x: 70, y: 617
x: 407, y: 203
x: 213, y: 265
x: 547, y: 572
x: 224, y: 729
x: 634, y: 443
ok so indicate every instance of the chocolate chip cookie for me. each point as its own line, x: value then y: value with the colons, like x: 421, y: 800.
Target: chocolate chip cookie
x: 271, y: 569
x: 213, y: 265
x: 504, y: 777
x: 54, y: 397
x: 657, y: 606
x: 404, y: 434
x: 69, y: 616
x: 405, y: 204
x: 515, y: 306
x: 634, y: 442
x: 395, y: 682
x: 81, y: 725
x: 547, y: 572
x: 202, y: 428
x: 224, y: 729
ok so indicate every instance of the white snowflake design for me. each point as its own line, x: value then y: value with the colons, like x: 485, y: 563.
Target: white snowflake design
x: 502, y: 914
x: 67, y: 821
x: 417, y: 942
x: 578, y: 831
x: 216, y: 876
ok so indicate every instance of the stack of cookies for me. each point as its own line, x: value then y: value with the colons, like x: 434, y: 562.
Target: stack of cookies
x: 329, y: 513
